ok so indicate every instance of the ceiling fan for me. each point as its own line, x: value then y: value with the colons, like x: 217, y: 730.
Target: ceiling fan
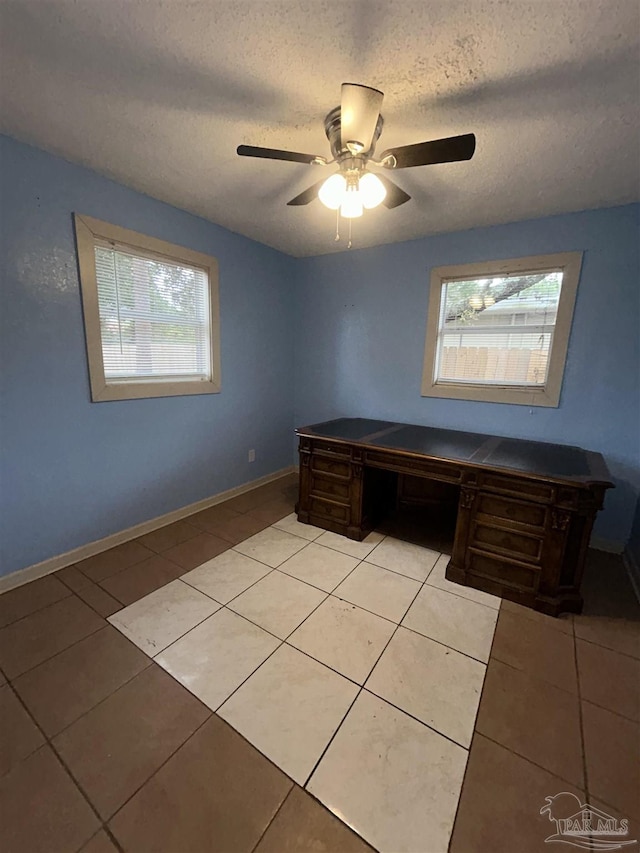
x: 353, y: 130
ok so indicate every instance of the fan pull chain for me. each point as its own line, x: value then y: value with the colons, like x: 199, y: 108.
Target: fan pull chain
x: 337, y: 237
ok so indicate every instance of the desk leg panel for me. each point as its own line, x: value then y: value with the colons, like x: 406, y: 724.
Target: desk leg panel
x: 304, y: 485
x: 458, y: 562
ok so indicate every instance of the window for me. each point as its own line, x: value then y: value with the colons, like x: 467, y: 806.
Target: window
x: 150, y: 312
x: 498, y: 331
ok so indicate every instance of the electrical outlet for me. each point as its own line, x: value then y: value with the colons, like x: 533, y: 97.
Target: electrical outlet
x: 252, y: 456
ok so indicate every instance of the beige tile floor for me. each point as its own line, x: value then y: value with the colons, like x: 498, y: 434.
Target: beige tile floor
x: 307, y: 643
x: 268, y: 686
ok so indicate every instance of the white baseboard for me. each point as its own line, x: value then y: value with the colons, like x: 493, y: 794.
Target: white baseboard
x: 608, y: 545
x: 46, y: 567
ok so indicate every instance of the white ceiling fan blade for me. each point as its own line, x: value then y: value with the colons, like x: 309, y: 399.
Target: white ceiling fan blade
x: 359, y: 110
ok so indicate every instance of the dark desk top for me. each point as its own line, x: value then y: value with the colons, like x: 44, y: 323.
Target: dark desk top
x: 532, y: 458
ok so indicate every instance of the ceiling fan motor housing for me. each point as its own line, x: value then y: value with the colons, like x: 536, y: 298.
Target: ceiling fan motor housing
x: 332, y: 127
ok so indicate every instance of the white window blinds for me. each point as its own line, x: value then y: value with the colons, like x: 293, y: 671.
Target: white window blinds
x: 154, y: 317
x: 497, y: 331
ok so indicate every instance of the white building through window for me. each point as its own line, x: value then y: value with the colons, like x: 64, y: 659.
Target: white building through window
x: 498, y: 332
x: 151, y: 314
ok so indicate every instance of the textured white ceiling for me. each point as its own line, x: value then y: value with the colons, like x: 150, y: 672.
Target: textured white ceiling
x: 157, y: 94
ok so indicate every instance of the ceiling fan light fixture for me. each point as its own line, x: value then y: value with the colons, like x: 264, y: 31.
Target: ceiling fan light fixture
x: 353, y: 129
x: 372, y: 191
x: 352, y: 193
x: 333, y: 191
x: 351, y: 206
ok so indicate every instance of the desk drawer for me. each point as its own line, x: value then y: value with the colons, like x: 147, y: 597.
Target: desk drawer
x: 329, y: 465
x: 517, y: 576
x: 329, y: 510
x: 508, y: 543
x: 327, y: 447
x: 532, y: 515
x: 529, y: 490
x: 447, y: 472
x: 333, y: 488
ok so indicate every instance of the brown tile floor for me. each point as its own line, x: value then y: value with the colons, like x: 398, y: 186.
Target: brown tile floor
x: 558, y: 713
x: 102, y: 751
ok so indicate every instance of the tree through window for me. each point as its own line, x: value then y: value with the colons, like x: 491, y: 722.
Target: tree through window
x: 498, y: 332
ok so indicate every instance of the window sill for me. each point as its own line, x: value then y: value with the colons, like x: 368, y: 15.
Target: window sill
x: 143, y: 390
x: 491, y: 394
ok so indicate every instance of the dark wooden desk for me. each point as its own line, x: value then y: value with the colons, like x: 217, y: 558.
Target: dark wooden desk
x: 525, y: 508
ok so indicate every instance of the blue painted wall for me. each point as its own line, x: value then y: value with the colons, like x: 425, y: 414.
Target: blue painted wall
x: 73, y: 471
x: 360, y: 328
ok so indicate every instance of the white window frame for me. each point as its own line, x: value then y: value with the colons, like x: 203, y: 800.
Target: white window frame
x: 570, y: 264
x: 90, y: 231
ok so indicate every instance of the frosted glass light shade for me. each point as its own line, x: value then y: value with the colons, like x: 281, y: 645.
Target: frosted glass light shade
x: 372, y: 190
x: 332, y: 192
x: 351, y: 206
